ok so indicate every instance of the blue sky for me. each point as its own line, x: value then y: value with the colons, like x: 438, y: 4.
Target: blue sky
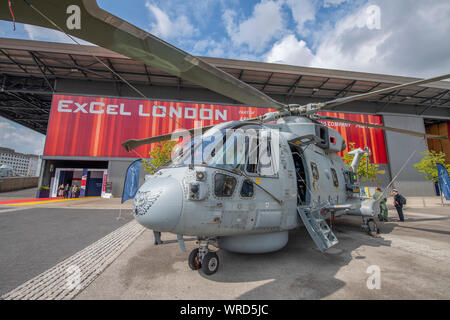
x: 402, y: 37
x: 231, y: 29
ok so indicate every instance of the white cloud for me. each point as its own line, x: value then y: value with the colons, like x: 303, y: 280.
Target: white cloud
x: 265, y: 24
x: 290, y: 50
x: 210, y: 48
x: 169, y: 28
x: 330, y: 3
x: 44, y: 34
x: 302, y: 12
x: 351, y: 45
x: 19, y: 138
x: 412, y: 40
x: 39, y: 33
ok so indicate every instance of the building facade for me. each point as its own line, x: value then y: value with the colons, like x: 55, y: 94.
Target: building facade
x: 85, y: 133
x: 25, y: 165
x: 99, y: 110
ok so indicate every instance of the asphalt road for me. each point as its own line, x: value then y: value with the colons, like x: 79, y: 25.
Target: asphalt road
x: 33, y: 240
x: 29, y: 193
x: 412, y: 258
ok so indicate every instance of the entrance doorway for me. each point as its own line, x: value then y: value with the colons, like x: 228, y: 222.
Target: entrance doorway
x: 92, y: 182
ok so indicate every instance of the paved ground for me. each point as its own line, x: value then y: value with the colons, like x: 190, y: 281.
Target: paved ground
x: 18, y: 194
x: 33, y: 239
x: 413, y: 258
x: 91, y: 203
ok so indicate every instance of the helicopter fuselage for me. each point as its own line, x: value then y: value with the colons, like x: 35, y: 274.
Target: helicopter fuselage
x: 248, y: 208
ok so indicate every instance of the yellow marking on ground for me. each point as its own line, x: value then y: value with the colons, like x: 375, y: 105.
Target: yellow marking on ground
x: 47, y: 201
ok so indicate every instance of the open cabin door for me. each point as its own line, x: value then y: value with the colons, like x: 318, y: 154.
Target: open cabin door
x: 303, y: 189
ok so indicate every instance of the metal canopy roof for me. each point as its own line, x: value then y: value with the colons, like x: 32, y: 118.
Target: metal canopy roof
x: 29, y: 71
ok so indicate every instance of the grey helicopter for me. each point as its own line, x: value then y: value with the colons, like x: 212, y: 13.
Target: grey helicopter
x: 239, y: 186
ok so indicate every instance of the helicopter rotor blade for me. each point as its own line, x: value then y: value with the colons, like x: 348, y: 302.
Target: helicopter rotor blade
x: 124, y: 38
x: 339, y: 101
x: 134, y: 143
x: 404, y: 131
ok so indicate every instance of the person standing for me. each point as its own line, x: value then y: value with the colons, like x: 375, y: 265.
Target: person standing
x: 74, y: 191
x: 61, y: 190
x: 399, y: 202
x: 66, y: 191
x: 157, y: 236
x: 383, y: 215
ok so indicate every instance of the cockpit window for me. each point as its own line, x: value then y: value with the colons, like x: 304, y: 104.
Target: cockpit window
x: 251, y: 145
x: 224, y: 185
x: 229, y: 148
x: 259, y: 159
x: 247, y: 189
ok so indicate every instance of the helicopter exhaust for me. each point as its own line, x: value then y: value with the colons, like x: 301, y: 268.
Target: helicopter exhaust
x: 357, y: 154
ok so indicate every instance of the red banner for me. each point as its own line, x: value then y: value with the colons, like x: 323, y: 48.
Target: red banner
x: 359, y: 135
x: 96, y: 126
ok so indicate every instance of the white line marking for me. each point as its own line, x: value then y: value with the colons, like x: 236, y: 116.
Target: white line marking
x: 15, y: 209
x: 415, y: 246
x: 426, y: 215
x: 431, y: 249
x: 91, y: 262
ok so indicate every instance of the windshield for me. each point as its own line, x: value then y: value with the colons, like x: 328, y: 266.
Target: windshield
x: 225, y: 148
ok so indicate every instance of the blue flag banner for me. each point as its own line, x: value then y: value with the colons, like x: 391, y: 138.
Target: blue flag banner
x: 131, y: 185
x: 444, y: 181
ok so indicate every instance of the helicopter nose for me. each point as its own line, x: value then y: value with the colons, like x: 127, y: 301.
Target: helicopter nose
x: 158, y: 203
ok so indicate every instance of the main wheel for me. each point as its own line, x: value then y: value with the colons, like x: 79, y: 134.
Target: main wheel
x: 373, y: 229
x: 194, y: 260
x: 210, y: 263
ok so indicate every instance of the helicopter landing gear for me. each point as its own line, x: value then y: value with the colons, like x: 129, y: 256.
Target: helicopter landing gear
x: 203, y: 259
x: 194, y: 260
x: 370, y: 226
x: 210, y: 263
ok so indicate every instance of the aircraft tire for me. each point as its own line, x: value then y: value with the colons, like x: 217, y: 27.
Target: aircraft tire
x: 193, y: 260
x: 373, y: 229
x: 210, y: 263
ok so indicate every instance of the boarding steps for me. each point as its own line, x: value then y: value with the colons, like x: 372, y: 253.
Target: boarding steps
x: 317, y: 227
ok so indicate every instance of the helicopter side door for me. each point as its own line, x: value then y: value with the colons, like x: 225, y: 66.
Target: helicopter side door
x: 261, y: 168
x: 274, y: 180
x: 301, y: 176
x: 256, y: 204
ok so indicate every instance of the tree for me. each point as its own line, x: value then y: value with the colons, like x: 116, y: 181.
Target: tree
x: 160, y: 154
x: 428, y: 165
x: 367, y: 171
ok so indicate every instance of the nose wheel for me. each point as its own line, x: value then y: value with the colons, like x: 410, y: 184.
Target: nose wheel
x: 210, y: 263
x: 194, y: 260
x: 204, y: 260
x: 370, y: 226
